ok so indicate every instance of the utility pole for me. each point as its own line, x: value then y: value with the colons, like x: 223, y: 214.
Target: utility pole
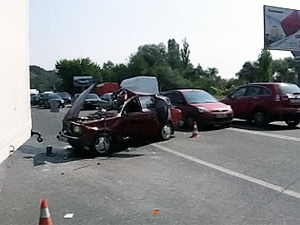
x: 296, y: 55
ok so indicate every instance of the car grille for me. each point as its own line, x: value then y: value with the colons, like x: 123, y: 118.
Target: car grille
x: 219, y: 110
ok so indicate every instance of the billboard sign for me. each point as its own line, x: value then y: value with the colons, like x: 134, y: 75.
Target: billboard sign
x: 83, y: 80
x: 281, y: 28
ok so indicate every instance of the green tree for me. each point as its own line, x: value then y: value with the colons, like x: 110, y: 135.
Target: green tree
x: 67, y: 69
x: 284, y: 70
x: 170, y: 79
x: 153, y: 54
x: 120, y: 72
x: 44, y: 80
x: 107, y: 72
x: 185, y: 54
x: 138, y: 65
x: 173, y: 54
x: 249, y: 72
x: 145, y: 61
x: 265, y: 71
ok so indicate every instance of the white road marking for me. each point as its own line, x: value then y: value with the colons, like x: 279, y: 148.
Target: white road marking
x: 232, y: 173
x: 265, y: 134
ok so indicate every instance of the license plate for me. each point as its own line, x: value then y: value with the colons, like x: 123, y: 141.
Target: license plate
x: 221, y: 115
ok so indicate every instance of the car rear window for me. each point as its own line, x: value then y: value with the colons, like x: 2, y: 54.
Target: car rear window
x: 92, y: 96
x: 64, y: 94
x: 107, y: 97
x: 289, y: 89
x: 199, y: 96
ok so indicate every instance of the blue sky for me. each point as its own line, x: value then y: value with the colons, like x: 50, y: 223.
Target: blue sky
x: 221, y: 33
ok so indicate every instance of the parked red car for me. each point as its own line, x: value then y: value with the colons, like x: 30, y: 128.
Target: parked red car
x: 200, y: 106
x: 266, y: 102
x: 136, y: 115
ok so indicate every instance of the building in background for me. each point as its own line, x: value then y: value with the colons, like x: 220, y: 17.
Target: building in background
x: 15, y: 112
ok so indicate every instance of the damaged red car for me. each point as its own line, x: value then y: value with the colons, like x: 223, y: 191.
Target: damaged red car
x: 135, y: 115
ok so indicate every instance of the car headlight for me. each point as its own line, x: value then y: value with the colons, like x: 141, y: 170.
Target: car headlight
x: 202, y: 109
x: 76, y: 129
x: 62, y: 101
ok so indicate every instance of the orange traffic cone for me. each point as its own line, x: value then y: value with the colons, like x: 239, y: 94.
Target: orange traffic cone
x: 195, y: 133
x: 155, y: 212
x: 45, y: 214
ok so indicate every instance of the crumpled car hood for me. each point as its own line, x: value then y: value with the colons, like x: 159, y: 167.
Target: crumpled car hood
x: 77, y: 105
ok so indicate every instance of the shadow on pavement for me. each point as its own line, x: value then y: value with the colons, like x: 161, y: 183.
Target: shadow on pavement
x: 40, y: 156
x: 270, y: 127
x: 59, y: 155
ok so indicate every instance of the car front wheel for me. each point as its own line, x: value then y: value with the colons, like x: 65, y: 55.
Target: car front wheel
x: 292, y: 123
x: 166, y: 131
x: 102, y: 145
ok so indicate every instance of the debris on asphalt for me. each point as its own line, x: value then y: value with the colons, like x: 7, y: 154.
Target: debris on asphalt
x: 69, y: 216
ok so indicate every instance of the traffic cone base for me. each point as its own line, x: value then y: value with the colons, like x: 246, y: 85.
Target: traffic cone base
x: 195, y: 133
x: 45, y: 218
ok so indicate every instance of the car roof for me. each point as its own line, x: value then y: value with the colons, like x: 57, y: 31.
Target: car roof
x: 267, y: 83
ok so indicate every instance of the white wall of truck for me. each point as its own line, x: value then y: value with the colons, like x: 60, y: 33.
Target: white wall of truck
x: 15, y: 113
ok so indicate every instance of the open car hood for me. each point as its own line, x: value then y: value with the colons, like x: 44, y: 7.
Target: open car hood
x: 77, y: 105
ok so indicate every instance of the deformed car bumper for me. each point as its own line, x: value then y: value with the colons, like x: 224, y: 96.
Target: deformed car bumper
x: 65, y: 138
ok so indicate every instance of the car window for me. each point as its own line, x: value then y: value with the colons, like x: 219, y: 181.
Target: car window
x: 45, y: 96
x: 56, y: 96
x: 252, y: 91
x: 93, y: 96
x: 239, y: 92
x: 132, y: 106
x: 147, y: 102
x: 264, y: 91
x: 107, y: 97
x: 289, y: 89
x: 174, y: 97
x: 65, y: 95
x: 199, y: 96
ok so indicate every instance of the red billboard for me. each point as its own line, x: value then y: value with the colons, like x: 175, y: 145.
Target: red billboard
x: 281, y: 28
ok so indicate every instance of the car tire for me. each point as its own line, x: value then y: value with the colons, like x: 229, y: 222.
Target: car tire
x: 292, y: 123
x: 75, y: 145
x: 102, y: 145
x: 249, y: 120
x: 166, y: 131
x: 260, y: 118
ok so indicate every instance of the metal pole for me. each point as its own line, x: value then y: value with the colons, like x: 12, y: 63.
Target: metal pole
x: 296, y: 55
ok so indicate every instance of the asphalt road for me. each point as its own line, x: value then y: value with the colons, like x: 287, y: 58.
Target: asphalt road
x: 237, y: 175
